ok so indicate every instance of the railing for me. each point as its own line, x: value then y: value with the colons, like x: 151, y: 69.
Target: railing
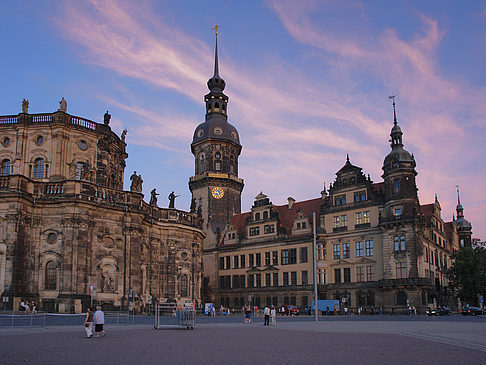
x: 8, y: 119
x: 57, y: 117
x: 4, y: 182
x: 398, y: 218
x: 340, y: 229
x: 57, y: 188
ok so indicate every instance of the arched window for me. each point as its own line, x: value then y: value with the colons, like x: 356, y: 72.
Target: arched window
x: 79, y: 170
x: 216, y: 107
x: 201, y: 163
x: 224, y: 108
x: 265, y: 214
x: 396, y: 186
x: 38, y: 172
x: 401, y: 298
x: 5, y: 167
x: 183, y: 286
x: 51, y: 276
x: 257, y: 216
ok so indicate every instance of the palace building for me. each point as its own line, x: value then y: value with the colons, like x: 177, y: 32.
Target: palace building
x: 68, y: 230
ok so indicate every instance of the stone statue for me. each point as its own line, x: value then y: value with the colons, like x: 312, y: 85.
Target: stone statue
x: 124, y: 133
x: 25, y: 106
x: 153, y: 197
x: 172, y: 198
x: 137, y: 181
x: 107, y: 118
x: 86, y: 171
x: 193, y: 205
x: 63, y: 105
x: 107, y: 282
x: 199, y: 211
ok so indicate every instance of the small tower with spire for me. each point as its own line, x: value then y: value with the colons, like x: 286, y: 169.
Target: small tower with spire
x: 463, y: 226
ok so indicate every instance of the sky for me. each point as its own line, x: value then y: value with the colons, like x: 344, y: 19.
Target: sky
x: 308, y: 82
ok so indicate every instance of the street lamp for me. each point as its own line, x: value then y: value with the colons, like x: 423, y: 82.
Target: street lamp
x: 5, y: 297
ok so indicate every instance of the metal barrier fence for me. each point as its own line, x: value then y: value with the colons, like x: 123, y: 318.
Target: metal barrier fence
x: 55, y: 319
x: 169, y: 315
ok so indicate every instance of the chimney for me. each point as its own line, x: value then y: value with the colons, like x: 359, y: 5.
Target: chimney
x: 291, y: 202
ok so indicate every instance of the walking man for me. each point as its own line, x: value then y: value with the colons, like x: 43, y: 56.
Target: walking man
x: 99, y: 318
x: 266, y: 314
x: 88, y: 323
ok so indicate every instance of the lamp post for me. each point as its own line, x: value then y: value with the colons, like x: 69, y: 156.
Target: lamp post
x: 5, y: 297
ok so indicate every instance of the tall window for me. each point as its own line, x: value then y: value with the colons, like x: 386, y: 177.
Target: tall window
x: 228, y: 262
x: 370, y: 273
x: 51, y: 276
x: 366, y: 216
x: 337, y: 251
x: 254, y: 231
x: 304, y: 278
x: 396, y: 187
x: 268, y: 279
x: 251, y: 281
x: 345, y: 250
x: 401, y: 270
x: 285, y: 257
x: 183, y: 286
x: 359, y: 274
x: 359, y: 218
x: 274, y: 258
x: 293, y: 278
x: 38, y: 172
x: 5, y: 167
x: 359, y: 249
x: 399, y: 243
x: 303, y: 255
x: 401, y: 298
x: 242, y: 261
x: 275, y: 278
x: 258, y: 259
x: 267, y: 258
x: 79, y: 170
x: 258, y: 280
x: 321, y: 276
x: 344, y: 220
x: 337, y: 276
x: 286, y: 279
x: 369, y: 248
x: 251, y: 259
x: 347, y: 275
x: 293, y: 256
x: 336, y: 221
x: 221, y: 263
x: 236, y: 261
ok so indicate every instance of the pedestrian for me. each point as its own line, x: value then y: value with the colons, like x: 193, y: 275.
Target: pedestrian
x: 381, y: 311
x: 328, y: 312
x: 393, y: 311
x: 27, y: 307
x: 335, y: 311
x: 34, y: 308
x: 409, y: 310
x: 88, y: 323
x: 266, y: 313
x: 415, y: 310
x: 247, y: 315
x: 273, y: 315
x: 99, y: 318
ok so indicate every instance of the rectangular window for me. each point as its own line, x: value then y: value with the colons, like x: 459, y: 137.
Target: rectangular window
x: 293, y: 256
x: 366, y: 217
x: 236, y: 262
x: 285, y: 257
x: 236, y: 281
x: 304, y: 225
x: 285, y: 279
x: 221, y: 263
x: 345, y: 250
x: 274, y: 258
x: 268, y: 279
x: 370, y: 273
x: 267, y: 258
x: 222, y: 282
x: 293, y: 278
x: 337, y: 251
x: 319, y: 251
x: 369, y: 248
x: 275, y: 279
x: 337, y: 276
x: 251, y: 259
x: 347, y: 275
x: 258, y: 259
x: 269, y: 228
x: 254, y: 231
x: 293, y: 300
x: 360, y: 196
x: 242, y: 261
x: 344, y: 220
x: 401, y: 270
x: 217, y: 166
x: 228, y: 262
x: 336, y: 221
x: 359, y: 249
x: 303, y: 255
x: 258, y: 280
x: 251, y: 281
x: 399, y: 243
x: 305, y: 301
x: 321, y: 276
x: 359, y: 274
x: 398, y: 212
x: 305, y: 278
x: 359, y: 218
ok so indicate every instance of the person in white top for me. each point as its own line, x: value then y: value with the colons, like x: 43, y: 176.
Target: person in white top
x: 99, y: 318
x: 266, y: 314
x: 273, y: 314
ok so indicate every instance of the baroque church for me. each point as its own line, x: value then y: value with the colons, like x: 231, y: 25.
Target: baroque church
x: 69, y: 232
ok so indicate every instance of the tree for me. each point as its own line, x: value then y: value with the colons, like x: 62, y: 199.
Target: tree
x: 467, y: 275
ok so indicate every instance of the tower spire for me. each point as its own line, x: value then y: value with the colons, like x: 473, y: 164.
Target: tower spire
x: 216, y: 84
x: 394, y: 110
x: 458, y: 198
x: 216, y: 66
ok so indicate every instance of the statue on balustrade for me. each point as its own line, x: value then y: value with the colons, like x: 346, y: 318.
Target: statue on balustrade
x: 172, y: 197
x: 107, y: 118
x: 63, y: 105
x: 193, y: 205
x: 124, y: 133
x: 137, y: 181
x: 25, y: 106
x: 153, y: 197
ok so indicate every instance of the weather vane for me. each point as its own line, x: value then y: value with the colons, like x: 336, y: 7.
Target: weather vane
x: 215, y: 29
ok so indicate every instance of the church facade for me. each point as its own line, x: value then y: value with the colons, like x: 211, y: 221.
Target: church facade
x: 377, y: 245
x: 70, y: 233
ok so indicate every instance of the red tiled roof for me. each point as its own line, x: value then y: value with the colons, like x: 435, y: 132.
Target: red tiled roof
x: 427, y: 211
x: 286, y: 215
x: 448, y: 230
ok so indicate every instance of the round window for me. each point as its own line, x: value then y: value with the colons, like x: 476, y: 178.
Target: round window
x: 39, y: 140
x: 51, y: 237
x: 6, y: 141
x: 234, y: 135
x: 200, y: 133
x: 184, y: 255
x: 83, y: 145
x: 218, y: 131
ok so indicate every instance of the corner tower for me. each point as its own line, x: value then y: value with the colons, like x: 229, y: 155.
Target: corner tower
x: 215, y: 186
x: 464, y: 227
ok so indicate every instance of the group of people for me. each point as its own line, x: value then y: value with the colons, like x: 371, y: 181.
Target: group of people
x: 267, y: 315
x: 98, y: 319
x: 28, y: 308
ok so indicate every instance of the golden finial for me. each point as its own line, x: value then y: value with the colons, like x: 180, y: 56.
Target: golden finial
x: 215, y: 29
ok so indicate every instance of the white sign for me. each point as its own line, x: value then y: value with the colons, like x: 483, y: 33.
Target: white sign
x: 91, y: 287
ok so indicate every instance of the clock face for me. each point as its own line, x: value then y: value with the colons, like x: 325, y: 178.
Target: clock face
x: 217, y: 193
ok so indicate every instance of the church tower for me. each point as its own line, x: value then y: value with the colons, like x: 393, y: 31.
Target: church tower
x: 215, y: 186
x: 464, y: 227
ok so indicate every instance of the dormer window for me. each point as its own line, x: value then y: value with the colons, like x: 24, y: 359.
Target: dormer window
x: 359, y: 196
x: 265, y: 214
x: 340, y: 200
x: 396, y: 187
x: 216, y: 107
x: 398, y: 212
x: 257, y: 216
